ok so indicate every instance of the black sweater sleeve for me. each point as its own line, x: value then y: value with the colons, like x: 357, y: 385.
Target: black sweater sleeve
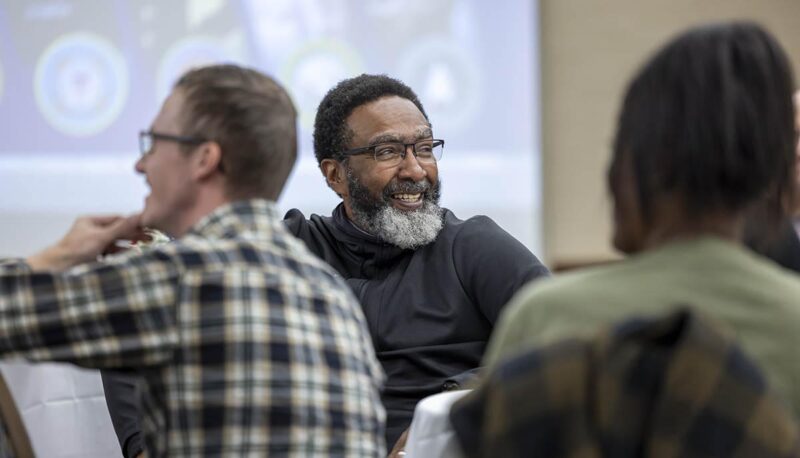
x: 122, y: 398
x: 493, y: 265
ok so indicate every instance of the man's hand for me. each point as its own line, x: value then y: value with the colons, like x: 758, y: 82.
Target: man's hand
x: 398, y: 451
x: 89, y: 237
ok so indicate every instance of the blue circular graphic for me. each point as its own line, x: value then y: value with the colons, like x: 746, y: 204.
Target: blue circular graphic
x: 314, y: 68
x: 81, y: 84
x: 191, y: 53
x: 446, y: 79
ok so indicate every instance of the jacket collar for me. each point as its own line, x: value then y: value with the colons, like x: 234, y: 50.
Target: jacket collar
x: 362, y: 244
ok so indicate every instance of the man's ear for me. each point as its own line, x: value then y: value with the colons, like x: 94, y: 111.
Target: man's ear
x: 207, y: 160
x: 335, y: 175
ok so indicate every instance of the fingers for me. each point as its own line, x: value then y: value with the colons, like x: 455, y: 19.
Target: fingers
x: 89, y: 237
x: 102, y: 220
x: 399, y: 447
x: 111, y: 226
x: 127, y: 228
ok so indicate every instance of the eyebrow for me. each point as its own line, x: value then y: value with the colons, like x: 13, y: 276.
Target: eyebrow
x: 421, y: 133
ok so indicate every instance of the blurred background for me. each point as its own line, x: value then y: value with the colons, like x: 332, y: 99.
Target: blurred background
x: 79, y: 79
x: 525, y: 93
x: 589, y: 50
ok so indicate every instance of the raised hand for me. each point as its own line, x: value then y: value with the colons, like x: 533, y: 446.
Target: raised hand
x: 89, y: 237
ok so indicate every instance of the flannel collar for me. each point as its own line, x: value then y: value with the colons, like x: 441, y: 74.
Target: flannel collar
x: 255, y: 216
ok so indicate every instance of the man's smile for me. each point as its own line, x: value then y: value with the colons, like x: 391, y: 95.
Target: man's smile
x: 407, y: 201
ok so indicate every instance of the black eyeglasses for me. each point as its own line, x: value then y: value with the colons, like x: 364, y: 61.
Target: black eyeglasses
x: 393, y: 153
x: 148, y: 137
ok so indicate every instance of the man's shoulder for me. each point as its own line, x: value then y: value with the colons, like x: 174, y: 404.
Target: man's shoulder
x: 296, y: 221
x: 278, y: 253
x: 581, y: 287
x: 556, y: 306
x: 319, y: 233
x: 480, y: 234
x: 477, y: 225
x: 450, y: 218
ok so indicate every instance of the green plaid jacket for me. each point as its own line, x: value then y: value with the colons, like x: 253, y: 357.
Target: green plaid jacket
x: 250, y: 345
x: 669, y: 387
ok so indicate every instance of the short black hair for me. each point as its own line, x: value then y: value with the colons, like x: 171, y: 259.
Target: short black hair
x: 710, y: 120
x: 330, y: 126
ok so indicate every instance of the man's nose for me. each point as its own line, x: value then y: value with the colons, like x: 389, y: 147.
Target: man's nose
x: 410, y: 168
x: 139, y: 165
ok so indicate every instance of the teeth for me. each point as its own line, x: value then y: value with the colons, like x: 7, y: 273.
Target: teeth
x: 408, y: 197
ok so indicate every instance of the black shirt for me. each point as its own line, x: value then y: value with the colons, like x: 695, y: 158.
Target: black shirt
x: 430, y: 311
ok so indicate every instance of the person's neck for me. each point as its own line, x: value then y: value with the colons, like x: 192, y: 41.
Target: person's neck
x: 674, y: 225
x: 205, y: 203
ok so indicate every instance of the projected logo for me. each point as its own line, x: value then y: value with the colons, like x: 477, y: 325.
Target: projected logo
x: 315, y: 68
x: 196, y: 52
x: 81, y: 84
x: 446, y: 80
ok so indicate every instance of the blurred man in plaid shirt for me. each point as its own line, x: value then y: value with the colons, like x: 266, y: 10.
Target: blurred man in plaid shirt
x: 248, y: 344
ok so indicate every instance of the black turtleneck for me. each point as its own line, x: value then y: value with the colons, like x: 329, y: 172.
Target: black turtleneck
x: 431, y: 310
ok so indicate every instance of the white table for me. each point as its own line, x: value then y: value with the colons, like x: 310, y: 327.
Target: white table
x: 63, y: 408
x: 430, y: 434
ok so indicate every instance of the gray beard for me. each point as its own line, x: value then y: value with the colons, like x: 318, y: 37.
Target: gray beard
x: 405, y: 229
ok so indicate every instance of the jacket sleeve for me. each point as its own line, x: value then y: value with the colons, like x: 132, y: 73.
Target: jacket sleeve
x: 122, y: 398
x: 492, y: 265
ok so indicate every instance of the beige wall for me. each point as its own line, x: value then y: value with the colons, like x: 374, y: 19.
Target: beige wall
x: 589, y: 50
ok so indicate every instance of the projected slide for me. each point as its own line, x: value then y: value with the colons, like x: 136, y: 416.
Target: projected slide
x: 79, y: 79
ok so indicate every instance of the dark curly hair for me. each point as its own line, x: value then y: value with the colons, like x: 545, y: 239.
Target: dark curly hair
x: 330, y: 126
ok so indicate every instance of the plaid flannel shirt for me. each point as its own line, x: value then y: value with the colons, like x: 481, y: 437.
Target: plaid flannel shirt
x: 669, y: 387
x: 249, y: 344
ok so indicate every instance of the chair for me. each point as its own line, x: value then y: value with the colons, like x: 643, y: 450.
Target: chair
x: 14, y: 441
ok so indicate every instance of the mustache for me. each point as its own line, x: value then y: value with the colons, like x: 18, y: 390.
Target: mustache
x: 407, y: 187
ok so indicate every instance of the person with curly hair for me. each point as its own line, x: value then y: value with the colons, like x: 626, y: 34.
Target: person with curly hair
x: 431, y: 285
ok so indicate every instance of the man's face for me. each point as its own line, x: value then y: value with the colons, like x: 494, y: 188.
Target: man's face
x: 398, y: 203
x: 168, y: 173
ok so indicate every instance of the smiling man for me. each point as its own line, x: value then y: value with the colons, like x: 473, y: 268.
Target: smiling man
x: 247, y: 343
x: 431, y: 285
